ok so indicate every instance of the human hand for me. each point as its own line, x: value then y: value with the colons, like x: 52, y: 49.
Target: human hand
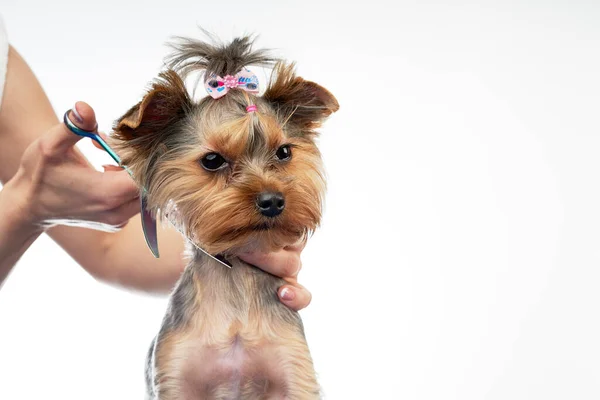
x: 57, y: 185
x: 286, y: 264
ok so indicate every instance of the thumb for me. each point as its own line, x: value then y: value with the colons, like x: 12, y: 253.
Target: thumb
x: 82, y: 116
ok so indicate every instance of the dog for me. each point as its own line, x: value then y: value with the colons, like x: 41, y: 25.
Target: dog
x: 237, y: 171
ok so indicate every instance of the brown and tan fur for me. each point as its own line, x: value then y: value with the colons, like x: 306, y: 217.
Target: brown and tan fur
x: 226, y: 335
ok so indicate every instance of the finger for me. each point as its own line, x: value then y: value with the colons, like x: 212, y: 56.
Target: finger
x: 282, y: 263
x: 121, y: 184
x: 61, y: 138
x: 83, y: 116
x: 119, y: 216
x: 113, y: 168
x: 104, y: 137
x: 295, y: 296
x: 298, y: 246
x: 115, y: 188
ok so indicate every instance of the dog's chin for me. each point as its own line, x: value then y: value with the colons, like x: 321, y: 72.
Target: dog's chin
x: 273, y: 238
x: 263, y: 236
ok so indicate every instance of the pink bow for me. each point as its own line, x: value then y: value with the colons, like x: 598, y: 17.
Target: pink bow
x: 218, y: 87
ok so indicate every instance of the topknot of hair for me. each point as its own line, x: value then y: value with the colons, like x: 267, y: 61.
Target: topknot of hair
x: 215, y: 57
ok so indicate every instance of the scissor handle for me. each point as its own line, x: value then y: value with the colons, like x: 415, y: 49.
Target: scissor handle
x: 92, y: 135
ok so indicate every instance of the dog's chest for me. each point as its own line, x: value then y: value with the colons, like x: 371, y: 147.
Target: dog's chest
x: 225, y: 334
x: 233, y: 371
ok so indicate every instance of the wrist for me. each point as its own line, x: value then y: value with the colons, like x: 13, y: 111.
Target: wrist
x: 15, y: 201
x: 17, y: 232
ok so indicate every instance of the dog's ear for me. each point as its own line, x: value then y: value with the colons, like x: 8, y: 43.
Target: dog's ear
x: 166, y: 103
x: 303, y: 103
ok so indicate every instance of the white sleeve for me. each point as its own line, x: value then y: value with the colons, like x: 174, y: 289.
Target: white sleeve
x: 3, y: 57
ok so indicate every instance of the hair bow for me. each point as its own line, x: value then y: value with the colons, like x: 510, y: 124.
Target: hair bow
x: 218, y: 86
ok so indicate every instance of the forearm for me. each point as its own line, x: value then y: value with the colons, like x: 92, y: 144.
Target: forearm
x: 25, y: 114
x: 16, y: 234
x: 123, y: 258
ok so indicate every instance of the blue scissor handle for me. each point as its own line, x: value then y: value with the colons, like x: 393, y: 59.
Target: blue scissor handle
x: 93, y: 136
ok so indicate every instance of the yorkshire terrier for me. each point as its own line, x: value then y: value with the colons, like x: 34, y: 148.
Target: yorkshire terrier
x: 238, y: 172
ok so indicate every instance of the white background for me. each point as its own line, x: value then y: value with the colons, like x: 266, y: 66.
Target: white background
x: 459, y: 254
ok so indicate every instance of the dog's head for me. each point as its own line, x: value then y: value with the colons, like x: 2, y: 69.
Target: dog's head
x: 239, y: 170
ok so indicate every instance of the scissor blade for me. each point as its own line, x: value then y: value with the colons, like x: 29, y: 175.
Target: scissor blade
x: 211, y: 256
x: 149, y: 226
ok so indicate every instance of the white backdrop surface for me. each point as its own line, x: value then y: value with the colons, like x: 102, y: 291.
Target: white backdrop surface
x: 459, y: 253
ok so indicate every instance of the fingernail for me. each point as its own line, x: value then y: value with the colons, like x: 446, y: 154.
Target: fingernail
x: 287, y: 294
x: 76, y: 114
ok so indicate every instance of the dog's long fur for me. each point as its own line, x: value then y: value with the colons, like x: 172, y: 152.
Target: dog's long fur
x: 226, y: 335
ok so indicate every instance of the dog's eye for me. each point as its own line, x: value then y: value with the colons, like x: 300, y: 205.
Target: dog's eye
x: 284, y: 152
x: 213, y: 162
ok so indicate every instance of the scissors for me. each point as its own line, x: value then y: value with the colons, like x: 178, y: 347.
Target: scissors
x: 148, y: 220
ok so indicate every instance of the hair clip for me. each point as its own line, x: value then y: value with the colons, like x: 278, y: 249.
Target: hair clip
x: 218, y: 86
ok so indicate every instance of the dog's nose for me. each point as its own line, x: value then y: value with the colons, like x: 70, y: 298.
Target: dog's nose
x: 270, y: 204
